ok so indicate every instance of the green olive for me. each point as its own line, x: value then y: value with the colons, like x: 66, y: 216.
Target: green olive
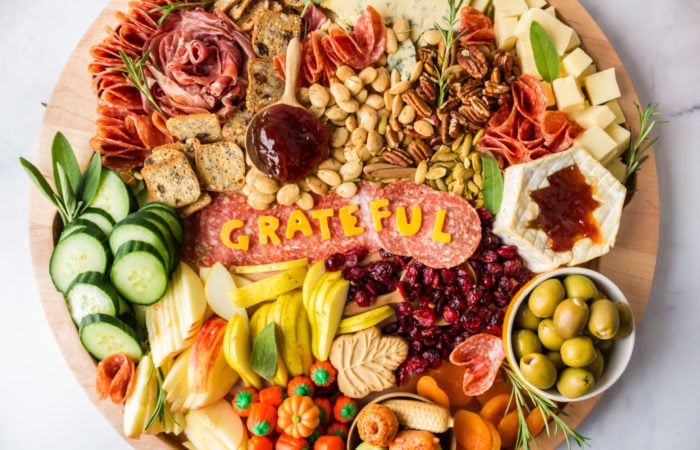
x: 545, y: 297
x: 570, y: 317
x: 580, y: 286
x: 626, y: 319
x: 574, y: 382
x: 548, y: 336
x: 524, y: 342
x: 605, y: 346
x: 538, y: 370
x: 526, y: 319
x: 578, y: 351
x: 604, y: 320
x: 555, y: 357
x: 597, y: 366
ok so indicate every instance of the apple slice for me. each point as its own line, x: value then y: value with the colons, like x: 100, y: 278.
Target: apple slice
x: 217, y: 289
x: 209, y: 376
x: 216, y: 427
x: 141, y: 400
x: 175, y: 383
x: 237, y: 350
x: 314, y: 274
x: 329, y: 311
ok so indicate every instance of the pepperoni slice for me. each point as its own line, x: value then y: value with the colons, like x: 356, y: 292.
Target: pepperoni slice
x: 559, y: 131
x: 114, y: 375
x: 529, y: 98
x: 481, y: 355
x: 365, y: 45
x: 476, y: 27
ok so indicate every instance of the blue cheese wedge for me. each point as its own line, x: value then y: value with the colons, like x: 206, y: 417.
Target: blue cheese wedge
x: 404, y: 60
x: 518, y: 210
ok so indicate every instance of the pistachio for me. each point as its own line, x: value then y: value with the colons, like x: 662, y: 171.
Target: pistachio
x: 265, y: 185
x: 316, y: 185
x: 350, y: 170
x: 318, y: 95
x: 421, y: 171
x: 329, y: 176
x: 435, y: 172
x: 392, y: 41
x: 305, y: 201
x: 368, y: 75
x: 375, y: 142
x: 354, y: 84
x: 424, y: 128
x: 346, y: 189
x: 339, y: 137
x: 344, y: 72
x: 381, y: 82
x: 402, y: 29
x: 475, y: 158
x: 340, y: 92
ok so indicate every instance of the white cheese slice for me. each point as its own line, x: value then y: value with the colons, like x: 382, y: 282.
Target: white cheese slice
x: 510, y: 7
x: 518, y: 210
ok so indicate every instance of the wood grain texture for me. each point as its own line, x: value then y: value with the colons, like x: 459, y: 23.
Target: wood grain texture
x: 71, y: 110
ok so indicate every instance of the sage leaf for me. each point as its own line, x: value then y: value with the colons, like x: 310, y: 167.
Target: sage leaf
x: 263, y: 357
x: 492, y: 183
x: 39, y: 180
x: 546, y: 55
x: 62, y: 155
x: 90, y: 180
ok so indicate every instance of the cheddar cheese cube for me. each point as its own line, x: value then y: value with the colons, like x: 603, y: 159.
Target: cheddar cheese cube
x: 598, y: 143
x: 575, y: 62
x: 599, y: 115
x: 621, y: 135
x: 568, y: 95
x: 602, y: 86
x: 504, y: 27
x: 615, y: 107
x: 510, y: 7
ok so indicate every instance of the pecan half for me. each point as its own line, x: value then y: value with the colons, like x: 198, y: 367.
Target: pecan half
x: 421, y: 107
x: 474, y: 61
x: 419, y: 150
x: 399, y: 157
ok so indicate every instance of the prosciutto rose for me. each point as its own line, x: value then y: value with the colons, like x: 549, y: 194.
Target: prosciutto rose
x: 198, y: 62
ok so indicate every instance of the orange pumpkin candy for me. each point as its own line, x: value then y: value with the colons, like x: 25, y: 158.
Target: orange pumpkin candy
x: 298, y: 416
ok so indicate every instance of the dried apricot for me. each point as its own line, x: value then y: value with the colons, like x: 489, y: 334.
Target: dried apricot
x: 508, y: 429
x: 471, y: 431
x: 495, y: 437
x: 496, y: 408
x: 428, y: 388
x: 499, y: 387
x: 535, y: 421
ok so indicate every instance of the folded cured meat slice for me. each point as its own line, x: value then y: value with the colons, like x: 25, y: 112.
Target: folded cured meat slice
x: 365, y: 44
x: 559, y: 131
x: 481, y: 355
x: 476, y: 27
x: 114, y: 375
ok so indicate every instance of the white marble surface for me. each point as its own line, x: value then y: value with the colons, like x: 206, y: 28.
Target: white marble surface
x: 655, y: 406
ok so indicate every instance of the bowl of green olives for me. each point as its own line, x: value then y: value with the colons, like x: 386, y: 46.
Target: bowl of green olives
x: 569, y: 334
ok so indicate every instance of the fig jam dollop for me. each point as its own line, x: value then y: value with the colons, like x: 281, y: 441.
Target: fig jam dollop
x: 288, y: 143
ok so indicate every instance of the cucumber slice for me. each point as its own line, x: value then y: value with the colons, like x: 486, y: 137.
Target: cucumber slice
x: 99, y: 217
x: 85, y: 250
x: 164, y: 228
x: 78, y: 224
x: 139, y: 273
x: 91, y: 293
x: 113, y: 196
x: 104, y: 335
x: 168, y: 214
x: 134, y: 228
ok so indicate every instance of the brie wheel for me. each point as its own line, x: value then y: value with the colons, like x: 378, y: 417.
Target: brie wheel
x: 518, y: 210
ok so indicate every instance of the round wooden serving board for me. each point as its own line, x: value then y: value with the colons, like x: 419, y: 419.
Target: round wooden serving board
x: 71, y: 110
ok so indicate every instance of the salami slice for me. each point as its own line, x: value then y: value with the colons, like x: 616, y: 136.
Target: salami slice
x: 481, y: 355
x: 475, y: 26
x: 114, y: 375
x: 559, y: 131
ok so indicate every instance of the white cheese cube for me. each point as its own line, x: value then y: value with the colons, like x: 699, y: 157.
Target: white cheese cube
x: 551, y: 11
x: 504, y: 27
x: 527, y: 58
x: 615, y: 107
x: 536, y: 3
x: 598, y: 143
x: 575, y: 62
x: 480, y: 4
x: 560, y: 33
x: 599, y: 115
x: 574, y: 42
x: 590, y: 70
x: 621, y: 135
x: 568, y: 95
x: 617, y: 168
x: 510, y: 7
x: 602, y: 86
x: 551, y: 100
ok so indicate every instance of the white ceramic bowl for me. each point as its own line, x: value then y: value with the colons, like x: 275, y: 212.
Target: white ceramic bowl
x: 618, y: 356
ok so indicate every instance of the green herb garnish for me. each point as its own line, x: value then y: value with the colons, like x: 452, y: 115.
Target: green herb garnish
x: 492, y: 183
x: 638, y: 147
x: 172, y: 7
x: 160, y: 409
x: 263, y: 357
x: 74, y: 190
x: 449, y: 38
x: 546, y: 55
x: 523, y: 396
x: 135, y: 74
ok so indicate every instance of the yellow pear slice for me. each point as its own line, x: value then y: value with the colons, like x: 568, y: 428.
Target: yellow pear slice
x: 216, y: 427
x: 268, y: 288
x: 329, y: 311
x: 315, y: 273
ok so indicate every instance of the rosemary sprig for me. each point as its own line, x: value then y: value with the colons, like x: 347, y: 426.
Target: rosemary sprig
x: 523, y: 396
x: 74, y: 190
x: 160, y: 411
x: 449, y: 38
x: 638, y: 147
x: 172, y: 7
x: 134, y: 72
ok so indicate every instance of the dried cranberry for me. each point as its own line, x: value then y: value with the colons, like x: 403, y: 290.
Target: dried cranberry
x: 494, y: 329
x: 433, y: 358
x: 448, y: 276
x: 415, y: 364
x: 385, y: 254
x: 382, y: 271
x: 431, y: 277
x: 488, y: 280
x: 471, y: 323
x: 500, y: 299
x: 335, y: 262
x: 511, y: 266
x: 484, y: 214
x: 358, y: 253
x: 391, y: 328
x: 424, y: 316
x: 474, y: 295
x: 450, y: 315
x: 494, y: 269
x: 505, y: 284
x: 507, y: 251
x: 364, y: 298
x: 416, y: 346
x: 355, y: 273
x: 404, y: 309
x: 410, y: 274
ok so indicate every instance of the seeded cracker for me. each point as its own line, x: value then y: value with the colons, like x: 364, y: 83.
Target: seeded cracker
x: 273, y: 31
x: 202, y: 202
x: 264, y: 85
x: 204, y: 127
x: 220, y: 166
x: 237, y: 7
x: 169, y: 178
x: 236, y: 125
